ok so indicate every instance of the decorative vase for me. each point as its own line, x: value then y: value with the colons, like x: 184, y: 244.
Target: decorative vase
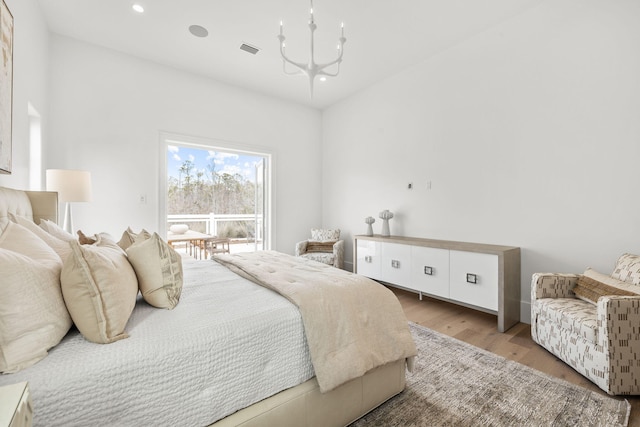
x: 386, y: 216
x: 369, y: 220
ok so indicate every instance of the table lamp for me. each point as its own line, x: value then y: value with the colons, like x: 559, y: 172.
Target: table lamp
x: 72, y: 186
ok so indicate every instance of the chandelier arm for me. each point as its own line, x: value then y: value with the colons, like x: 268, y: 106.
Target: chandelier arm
x: 325, y: 73
x: 301, y: 66
x: 290, y: 73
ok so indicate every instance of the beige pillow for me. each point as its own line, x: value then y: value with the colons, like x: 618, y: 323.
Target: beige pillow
x: 57, y: 231
x: 61, y: 247
x: 593, y: 285
x: 129, y: 237
x: 33, y: 314
x: 159, y: 270
x: 100, y: 288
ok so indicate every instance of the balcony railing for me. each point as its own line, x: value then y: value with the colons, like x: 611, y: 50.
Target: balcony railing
x: 212, y: 221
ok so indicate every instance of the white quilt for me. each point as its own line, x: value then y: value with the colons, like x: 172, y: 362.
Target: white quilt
x: 229, y: 343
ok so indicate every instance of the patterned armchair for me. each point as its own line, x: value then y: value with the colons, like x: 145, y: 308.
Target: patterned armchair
x: 592, y: 322
x: 324, y: 246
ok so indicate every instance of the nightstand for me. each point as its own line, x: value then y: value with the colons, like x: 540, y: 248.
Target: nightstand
x: 15, y: 406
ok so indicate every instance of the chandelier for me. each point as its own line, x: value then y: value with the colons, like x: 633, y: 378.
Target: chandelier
x: 311, y: 69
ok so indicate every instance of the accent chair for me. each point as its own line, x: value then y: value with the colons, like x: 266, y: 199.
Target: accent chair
x: 592, y: 322
x: 324, y: 246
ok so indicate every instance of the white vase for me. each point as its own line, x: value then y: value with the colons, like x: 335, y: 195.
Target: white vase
x: 369, y: 230
x: 385, y: 228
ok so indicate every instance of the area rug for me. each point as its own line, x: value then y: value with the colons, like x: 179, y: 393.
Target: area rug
x: 457, y: 384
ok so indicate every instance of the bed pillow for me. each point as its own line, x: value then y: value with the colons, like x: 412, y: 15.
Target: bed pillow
x: 159, y: 270
x: 324, y: 235
x: 129, y: 237
x: 100, y: 288
x: 57, y: 231
x: 61, y: 247
x: 33, y: 316
x: 593, y: 285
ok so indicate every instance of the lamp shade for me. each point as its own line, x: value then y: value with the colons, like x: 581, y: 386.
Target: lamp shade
x: 71, y: 185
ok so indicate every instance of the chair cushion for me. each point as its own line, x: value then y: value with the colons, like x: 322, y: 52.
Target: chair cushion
x: 627, y: 269
x: 323, y: 257
x: 575, y: 315
x: 324, y: 235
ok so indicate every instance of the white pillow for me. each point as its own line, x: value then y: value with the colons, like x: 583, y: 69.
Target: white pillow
x: 100, y: 288
x: 57, y: 231
x: 61, y: 247
x: 33, y: 316
x: 159, y: 270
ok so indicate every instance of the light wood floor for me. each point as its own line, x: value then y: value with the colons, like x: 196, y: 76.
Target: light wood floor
x: 479, y: 329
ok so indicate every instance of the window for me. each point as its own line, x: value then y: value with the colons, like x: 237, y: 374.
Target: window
x: 217, y: 188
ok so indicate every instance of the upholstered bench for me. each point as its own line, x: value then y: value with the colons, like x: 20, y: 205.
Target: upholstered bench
x: 592, y: 322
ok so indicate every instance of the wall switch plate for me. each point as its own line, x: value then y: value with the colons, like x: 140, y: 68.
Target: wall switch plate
x: 410, y: 186
x: 142, y: 199
x: 428, y: 185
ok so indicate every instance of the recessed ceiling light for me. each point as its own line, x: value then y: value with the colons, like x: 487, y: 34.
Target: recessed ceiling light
x: 198, y: 31
x: 138, y: 8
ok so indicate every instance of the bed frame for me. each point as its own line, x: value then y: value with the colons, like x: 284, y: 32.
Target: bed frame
x: 302, y: 405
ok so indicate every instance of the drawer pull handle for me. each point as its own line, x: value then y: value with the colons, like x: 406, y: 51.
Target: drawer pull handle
x: 395, y: 263
x: 368, y: 258
x: 428, y: 270
x: 472, y: 278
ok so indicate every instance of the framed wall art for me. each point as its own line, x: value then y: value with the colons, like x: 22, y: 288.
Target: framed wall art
x: 6, y: 86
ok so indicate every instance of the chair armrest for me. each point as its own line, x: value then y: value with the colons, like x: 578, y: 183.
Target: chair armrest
x: 618, y: 324
x: 301, y: 248
x: 552, y: 285
x: 338, y: 254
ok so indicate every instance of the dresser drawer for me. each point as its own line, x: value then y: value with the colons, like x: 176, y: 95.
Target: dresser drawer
x: 396, y: 263
x: 474, y: 278
x: 430, y: 270
x: 368, y: 259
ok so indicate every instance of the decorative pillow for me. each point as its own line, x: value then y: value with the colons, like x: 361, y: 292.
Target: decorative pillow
x: 324, y: 235
x: 100, y: 289
x: 33, y: 316
x: 313, y: 246
x: 86, y: 240
x: 627, y: 269
x: 57, y: 231
x: 61, y: 247
x: 159, y: 270
x: 129, y: 237
x: 593, y: 285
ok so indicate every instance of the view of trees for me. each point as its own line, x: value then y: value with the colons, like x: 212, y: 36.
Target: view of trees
x: 209, y: 191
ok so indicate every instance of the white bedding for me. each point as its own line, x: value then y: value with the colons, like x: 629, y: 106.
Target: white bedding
x: 229, y: 343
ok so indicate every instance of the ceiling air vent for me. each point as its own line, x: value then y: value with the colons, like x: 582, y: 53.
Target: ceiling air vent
x: 248, y: 48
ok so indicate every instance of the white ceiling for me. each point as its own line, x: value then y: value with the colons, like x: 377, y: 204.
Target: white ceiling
x: 383, y: 36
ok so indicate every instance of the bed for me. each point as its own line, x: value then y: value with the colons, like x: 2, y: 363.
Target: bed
x: 230, y: 353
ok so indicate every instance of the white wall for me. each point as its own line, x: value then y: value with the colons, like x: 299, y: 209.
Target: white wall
x: 30, y: 84
x: 109, y: 110
x: 529, y: 133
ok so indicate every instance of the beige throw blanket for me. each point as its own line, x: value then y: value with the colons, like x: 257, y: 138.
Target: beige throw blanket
x: 352, y: 323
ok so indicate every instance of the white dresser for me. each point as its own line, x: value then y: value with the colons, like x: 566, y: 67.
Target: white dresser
x: 480, y: 276
x: 15, y: 406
